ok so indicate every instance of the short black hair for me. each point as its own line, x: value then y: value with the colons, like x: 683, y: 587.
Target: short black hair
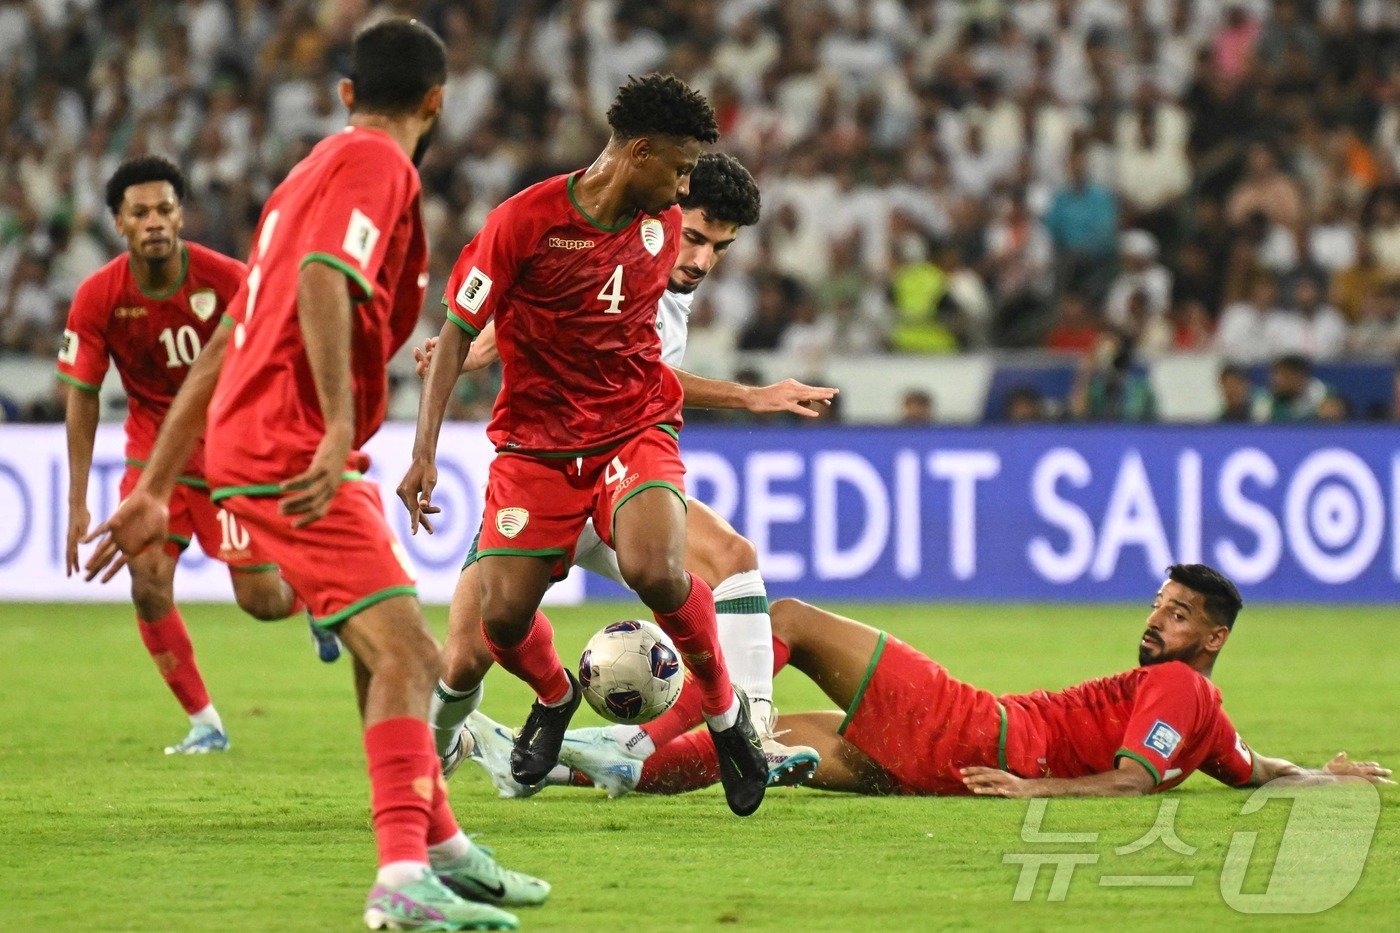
x: 1223, y: 601
x: 139, y: 171
x: 723, y: 190
x: 394, y: 63
x: 662, y: 105
x: 1297, y: 362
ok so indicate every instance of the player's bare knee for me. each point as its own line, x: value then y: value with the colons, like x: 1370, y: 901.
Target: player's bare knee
x: 464, y: 665
x: 661, y: 583
x: 264, y: 603
x: 733, y: 554
x: 151, y: 595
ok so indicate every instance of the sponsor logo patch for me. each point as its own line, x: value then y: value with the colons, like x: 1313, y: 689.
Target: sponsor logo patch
x: 1162, y: 739
x: 68, y: 351
x: 203, y: 303
x: 510, y: 522
x: 360, y: 237
x: 475, y: 287
x: 131, y: 313
x: 653, y: 235
x: 556, y: 242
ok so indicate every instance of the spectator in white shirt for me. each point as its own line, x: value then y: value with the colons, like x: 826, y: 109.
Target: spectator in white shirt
x: 1239, y: 337
x: 1141, y: 272
x: 1309, y: 328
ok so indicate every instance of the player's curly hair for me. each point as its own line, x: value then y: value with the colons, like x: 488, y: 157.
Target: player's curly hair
x: 662, y: 105
x: 139, y: 171
x: 1223, y: 600
x: 723, y: 190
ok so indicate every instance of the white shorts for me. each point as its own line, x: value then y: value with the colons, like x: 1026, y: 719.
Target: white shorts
x: 591, y: 553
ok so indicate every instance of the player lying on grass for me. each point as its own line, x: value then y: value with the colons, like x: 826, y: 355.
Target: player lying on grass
x: 149, y: 312
x: 911, y: 728
x: 723, y: 199
x: 586, y: 424
x: 336, y: 285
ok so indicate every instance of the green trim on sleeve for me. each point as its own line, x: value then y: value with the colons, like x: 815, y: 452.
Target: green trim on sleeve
x: 452, y: 316
x: 227, y: 321
x: 1151, y: 768
x: 864, y: 683
x: 335, y: 262
x: 670, y: 430
x: 360, y: 605
x: 77, y: 383
x: 252, y: 568
x: 1001, y: 738
x: 182, y: 540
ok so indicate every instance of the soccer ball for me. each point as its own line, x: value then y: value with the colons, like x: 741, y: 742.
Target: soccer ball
x: 630, y: 672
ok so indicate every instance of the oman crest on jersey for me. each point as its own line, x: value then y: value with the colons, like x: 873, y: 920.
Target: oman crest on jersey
x: 653, y: 235
x: 203, y: 303
x: 510, y: 522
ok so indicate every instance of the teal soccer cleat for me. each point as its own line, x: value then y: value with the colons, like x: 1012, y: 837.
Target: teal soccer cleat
x: 426, y: 904
x: 200, y: 741
x: 478, y: 877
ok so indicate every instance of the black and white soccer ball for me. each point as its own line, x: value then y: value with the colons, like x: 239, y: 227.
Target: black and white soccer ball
x: 630, y: 672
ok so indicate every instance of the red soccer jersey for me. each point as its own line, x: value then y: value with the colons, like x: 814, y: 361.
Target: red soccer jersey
x: 153, y: 339
x: 352, y: 204
x: 1166, y: 716
x: 575, y: 309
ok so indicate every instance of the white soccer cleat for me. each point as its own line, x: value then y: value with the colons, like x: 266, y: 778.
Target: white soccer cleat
x: 458, y: 753
x: 490, y: 746
x: 598, y: 755
x: 788, y: 765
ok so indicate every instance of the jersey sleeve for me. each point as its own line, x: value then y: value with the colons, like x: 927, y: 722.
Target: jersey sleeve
x: 1167, y: 710
x: 1230, y: 760
x: 349, y: 227
x: 82, y: 357
x: 486, y: 269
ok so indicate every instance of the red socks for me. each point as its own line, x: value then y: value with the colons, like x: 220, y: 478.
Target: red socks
x: 168, y: 642
x: 408, y: 802
x: 685, y: 714
x: 692, y: 628
x: 535, y: 661
x: 687, y: 763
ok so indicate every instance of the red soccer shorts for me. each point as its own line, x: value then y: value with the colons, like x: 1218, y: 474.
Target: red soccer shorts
x: 920, y: 724
x: 194, y: 515
x: 342, y: 563
x: 536, y: 506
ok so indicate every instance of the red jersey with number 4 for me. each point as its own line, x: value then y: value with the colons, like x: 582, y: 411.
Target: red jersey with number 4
x: 575, y: 309
x: 153, y: 339
x: 353, y: 205
x: 1167, y: 717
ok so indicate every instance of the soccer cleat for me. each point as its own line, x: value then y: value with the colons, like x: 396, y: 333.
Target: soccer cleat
x: 200, y: 740
x: 327, y: 645
x: 491, y: 747
x: 537, y: 743
x: 788, y: 765
x: 458, y: 753
x: 478, y: 877
x: 427, y: 904
x: 607, y: 764
x: 743, y: 768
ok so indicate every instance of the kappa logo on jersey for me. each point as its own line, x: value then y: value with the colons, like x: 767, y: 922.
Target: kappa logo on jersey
x: 68, y: 351
x: 475, y: 287
x: 203, y: 303
x: 131, y: 313
x: 510, y: 522
x: 360, y: 237
x: 556, y: 242
x: 1162, y: 739
x: 653, y: 235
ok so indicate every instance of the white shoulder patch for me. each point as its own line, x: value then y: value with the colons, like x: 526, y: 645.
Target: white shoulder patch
x: 475, y: 287
x: 360, y: 236
x: 68, y: 351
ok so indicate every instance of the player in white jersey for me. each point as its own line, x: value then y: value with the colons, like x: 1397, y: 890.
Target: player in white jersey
x: 723, y: 198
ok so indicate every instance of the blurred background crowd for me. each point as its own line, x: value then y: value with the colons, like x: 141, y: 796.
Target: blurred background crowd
x: 1118, y: 181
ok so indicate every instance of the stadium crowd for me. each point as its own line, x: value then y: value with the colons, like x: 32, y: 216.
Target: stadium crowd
x: 1118, y: 180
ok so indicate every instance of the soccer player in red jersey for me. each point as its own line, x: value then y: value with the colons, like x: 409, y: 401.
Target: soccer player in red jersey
x: 572, y: 270
x: 911, y: 728
x: 336, y: 282
x: 150, y: 311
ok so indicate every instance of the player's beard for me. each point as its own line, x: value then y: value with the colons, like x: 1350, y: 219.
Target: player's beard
x: 1146, y: 657
x: 420, y: 148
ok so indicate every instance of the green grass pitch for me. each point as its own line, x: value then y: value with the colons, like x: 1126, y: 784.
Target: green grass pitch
x: 102, y: 832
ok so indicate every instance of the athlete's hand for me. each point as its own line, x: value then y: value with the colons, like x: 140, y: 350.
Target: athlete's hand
x: 141, y: 521
x: 78, y: 521
x: 416, y: 494
x: 789, y: 395
x: 310, y: 493
x: 423, y: 357
x: 992, y: 782
x: 1369, y: 770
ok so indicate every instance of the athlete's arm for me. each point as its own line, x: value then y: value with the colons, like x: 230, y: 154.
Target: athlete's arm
x: 323, y: 310
x: 141, y: 519
x: 482, y: 354
x: 1129, y: 779
x: 84, y: 410
x: 1337, y: 771
x: 416, y: 489
x: 788, y: 395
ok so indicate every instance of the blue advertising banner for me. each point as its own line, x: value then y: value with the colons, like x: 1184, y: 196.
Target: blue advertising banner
x: 1056, y: 512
